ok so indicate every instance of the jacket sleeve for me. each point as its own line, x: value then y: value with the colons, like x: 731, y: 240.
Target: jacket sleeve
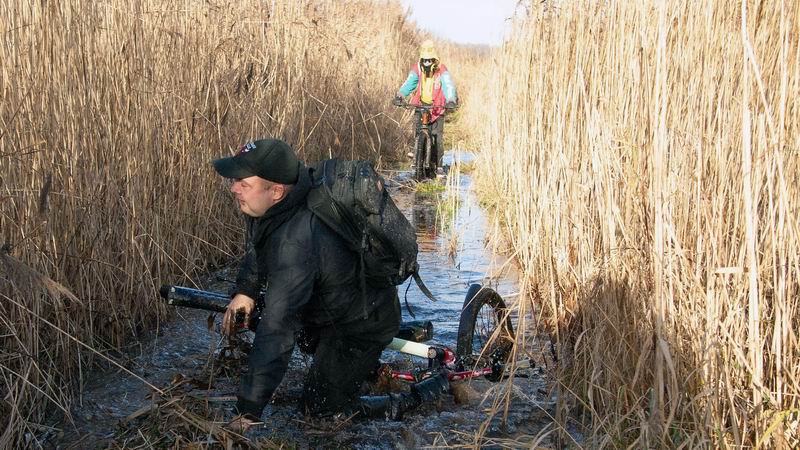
x: 409, y: 85
x: 247, y: 281
x: 448, y: 87
x: 290, y: 283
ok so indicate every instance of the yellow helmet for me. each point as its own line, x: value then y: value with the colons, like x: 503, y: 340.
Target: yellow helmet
x: 427, y: 51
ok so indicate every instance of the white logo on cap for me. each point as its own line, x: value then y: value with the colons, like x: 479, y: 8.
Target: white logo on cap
x: 247, y: 147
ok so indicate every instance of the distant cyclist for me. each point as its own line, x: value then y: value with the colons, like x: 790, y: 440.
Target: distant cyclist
x: 431, y: 84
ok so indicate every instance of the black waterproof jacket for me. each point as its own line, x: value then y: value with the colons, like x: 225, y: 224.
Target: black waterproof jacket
x: 312, y: 279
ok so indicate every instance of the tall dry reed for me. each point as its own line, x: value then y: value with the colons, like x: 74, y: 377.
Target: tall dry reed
x: 470, y: 67
x: 110, y: 113
x: 644, y: 156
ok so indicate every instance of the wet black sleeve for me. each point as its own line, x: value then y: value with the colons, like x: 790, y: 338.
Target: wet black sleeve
x: 290, y: 283
x: 247, y: 281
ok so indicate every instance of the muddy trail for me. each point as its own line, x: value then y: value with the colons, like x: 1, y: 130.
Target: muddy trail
x: 186, y: 360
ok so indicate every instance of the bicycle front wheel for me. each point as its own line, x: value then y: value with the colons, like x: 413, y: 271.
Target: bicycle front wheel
x: 419, y: 157
x: 485, y: 332
x: 430, y: 167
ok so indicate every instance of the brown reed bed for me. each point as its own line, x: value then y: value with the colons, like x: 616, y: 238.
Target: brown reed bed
x: 109, y: 115
x: 643, y: 157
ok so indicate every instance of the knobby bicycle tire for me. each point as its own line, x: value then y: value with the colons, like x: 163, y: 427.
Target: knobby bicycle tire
x: 470, y: 332
x: 419, y: 166
x: 429, y: 172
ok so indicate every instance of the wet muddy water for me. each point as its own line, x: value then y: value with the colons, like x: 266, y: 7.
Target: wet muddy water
x: 182, y: 351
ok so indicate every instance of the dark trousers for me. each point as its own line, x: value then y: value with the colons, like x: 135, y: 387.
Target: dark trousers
x: 345, y: 356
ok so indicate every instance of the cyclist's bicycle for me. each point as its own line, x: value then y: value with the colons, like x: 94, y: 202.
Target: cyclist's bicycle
x: 425, y: 162
x: 484, y: 343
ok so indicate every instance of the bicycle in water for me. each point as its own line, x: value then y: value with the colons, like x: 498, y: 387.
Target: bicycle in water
x: 426, y: 143
x: 484, y: 344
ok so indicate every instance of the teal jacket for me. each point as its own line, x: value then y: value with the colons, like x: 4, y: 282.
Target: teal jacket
x: 448, y: 88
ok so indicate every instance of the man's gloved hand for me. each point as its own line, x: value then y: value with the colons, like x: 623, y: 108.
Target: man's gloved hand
x: 450, y: 105
x: 240, y: 302
x: 398, y: 100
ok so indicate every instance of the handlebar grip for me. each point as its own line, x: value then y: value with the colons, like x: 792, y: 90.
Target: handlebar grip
x: 194, y: 298
x: 208, y: 301
x: 416, y: 331
x: 238, y: 319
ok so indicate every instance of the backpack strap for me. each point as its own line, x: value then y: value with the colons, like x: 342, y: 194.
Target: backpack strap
x: 422, y: 286
x: 363, y: 270
x: 408, y: 307
x: 424, y: 290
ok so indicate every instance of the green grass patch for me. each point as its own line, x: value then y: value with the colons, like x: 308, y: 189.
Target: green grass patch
x: 429, y: 187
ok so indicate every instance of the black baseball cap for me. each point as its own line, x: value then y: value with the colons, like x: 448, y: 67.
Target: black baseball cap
x: 270, y: 159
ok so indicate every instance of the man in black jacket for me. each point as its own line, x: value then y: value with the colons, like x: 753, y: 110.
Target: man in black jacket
x: 311, y: 280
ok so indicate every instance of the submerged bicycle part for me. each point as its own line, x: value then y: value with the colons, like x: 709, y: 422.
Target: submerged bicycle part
x: 483, y: 347
x: 485, y: 333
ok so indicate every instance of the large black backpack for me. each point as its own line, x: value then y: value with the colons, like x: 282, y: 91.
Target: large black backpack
x: 351, y: 198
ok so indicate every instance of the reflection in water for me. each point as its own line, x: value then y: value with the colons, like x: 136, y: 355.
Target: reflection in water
x: 423, y: 217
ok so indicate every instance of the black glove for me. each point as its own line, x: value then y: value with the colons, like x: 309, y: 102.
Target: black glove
x: 398, y: 100
x: 450, y: 105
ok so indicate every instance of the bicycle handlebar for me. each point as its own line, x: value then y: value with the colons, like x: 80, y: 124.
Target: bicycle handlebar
x: 424, y: 107
x: 416, y: 331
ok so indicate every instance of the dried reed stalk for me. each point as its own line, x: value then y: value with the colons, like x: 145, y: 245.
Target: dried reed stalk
x: 110, y: 113
x: 644, y: 159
